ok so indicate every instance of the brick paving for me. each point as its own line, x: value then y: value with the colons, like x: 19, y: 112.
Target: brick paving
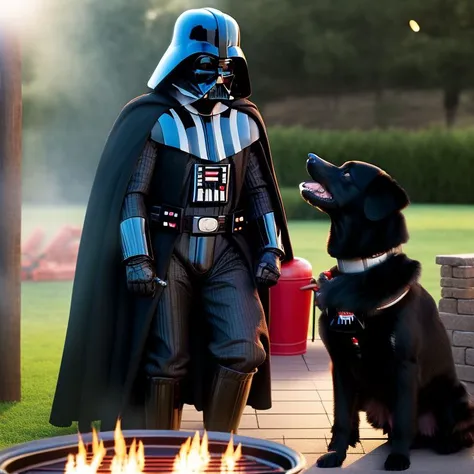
x: 301, y: 418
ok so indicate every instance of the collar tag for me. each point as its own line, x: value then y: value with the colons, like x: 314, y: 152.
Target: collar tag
x: 345, y: 318
x: 346, y: 322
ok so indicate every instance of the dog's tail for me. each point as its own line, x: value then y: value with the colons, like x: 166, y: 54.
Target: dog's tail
x: 463, y: 414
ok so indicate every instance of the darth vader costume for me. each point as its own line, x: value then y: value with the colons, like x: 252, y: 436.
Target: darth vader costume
x: 183, y: 236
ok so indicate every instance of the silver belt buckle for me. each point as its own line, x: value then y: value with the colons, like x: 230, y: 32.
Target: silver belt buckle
x: 205, y: 225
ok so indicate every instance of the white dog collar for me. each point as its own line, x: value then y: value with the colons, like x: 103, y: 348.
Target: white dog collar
x: 358, y: 265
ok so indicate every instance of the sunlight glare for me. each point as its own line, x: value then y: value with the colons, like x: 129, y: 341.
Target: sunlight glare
x: 18, y: 11
x: 414, y: 26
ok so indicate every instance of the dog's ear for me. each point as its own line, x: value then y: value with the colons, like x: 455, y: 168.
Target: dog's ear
x: 384, y: 196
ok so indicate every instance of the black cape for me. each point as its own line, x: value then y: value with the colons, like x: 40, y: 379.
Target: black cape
x: 103, y: 345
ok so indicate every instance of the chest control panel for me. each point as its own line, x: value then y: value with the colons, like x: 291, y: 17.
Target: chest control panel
x: 211, y: 184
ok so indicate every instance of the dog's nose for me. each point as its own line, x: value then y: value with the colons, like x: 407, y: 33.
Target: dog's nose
x: 315, y: 160
x: 312, y: 158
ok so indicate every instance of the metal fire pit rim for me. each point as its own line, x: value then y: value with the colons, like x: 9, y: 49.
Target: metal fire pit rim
x: 9, y: 455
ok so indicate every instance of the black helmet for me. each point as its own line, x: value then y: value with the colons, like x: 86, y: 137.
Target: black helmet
x: 204, y: 57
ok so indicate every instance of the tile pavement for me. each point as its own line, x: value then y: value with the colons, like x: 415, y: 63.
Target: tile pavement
x: 301, y: 418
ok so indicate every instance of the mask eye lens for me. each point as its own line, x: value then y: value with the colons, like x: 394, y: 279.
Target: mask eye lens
x: 227, y: 67
x: 205, y: 69
x: 205, y: 63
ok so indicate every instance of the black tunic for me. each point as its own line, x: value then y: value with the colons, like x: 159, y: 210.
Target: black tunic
x: 103, y: 346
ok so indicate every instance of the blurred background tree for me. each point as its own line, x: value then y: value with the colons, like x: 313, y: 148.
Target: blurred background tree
x: 330, y: 64
x: 445, y: 48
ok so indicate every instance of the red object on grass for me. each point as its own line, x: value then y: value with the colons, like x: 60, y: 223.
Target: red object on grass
x: 57, y: 262
x: 68, y: 255
x: 33, y: 244
x: 56, y: 247
x: 290, y: 309
x: 29, y: 253
x: 25, y: 275
x: 53, y: 271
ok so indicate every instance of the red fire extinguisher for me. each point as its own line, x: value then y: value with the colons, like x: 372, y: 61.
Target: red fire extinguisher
x: 290, y: 309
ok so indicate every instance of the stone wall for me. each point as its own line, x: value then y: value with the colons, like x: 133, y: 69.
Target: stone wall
x: 456, y: 308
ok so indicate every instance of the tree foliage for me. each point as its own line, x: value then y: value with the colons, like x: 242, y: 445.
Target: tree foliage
x: 89, y: 57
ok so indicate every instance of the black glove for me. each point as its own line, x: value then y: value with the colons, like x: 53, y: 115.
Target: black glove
x: 319, y: 296
x: 268, y: 269
x: 141, y: 276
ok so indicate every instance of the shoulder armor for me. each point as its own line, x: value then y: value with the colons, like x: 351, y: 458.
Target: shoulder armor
x: 244, y: 130
x: 169, y: 130
x: 213, y: 138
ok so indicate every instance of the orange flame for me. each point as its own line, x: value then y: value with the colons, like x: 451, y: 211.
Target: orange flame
x: 193, y: 457
x: 78, y: 464
x: 134, y: 462
x: 230, y: 457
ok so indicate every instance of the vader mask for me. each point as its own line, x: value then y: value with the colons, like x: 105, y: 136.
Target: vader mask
x: 204, y: 59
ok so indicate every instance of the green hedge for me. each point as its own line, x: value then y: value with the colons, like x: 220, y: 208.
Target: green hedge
x: 434, y: 166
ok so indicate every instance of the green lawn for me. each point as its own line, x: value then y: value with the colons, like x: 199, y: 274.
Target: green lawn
x: 434, y: 230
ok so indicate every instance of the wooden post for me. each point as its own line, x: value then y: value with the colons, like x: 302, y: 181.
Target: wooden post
x: 10, y: 214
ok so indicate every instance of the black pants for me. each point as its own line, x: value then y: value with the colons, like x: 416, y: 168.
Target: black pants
x: 229, y: 300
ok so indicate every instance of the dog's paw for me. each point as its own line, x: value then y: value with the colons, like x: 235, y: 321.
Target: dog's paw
x: 397, y: 462
x: 354, y: 438
x: 331, y: 459
x: 448, y: 446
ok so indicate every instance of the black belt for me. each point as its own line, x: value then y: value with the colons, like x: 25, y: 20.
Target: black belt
x: 171, y: 218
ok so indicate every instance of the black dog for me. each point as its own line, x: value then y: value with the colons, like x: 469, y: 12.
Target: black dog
x: 390, y: 353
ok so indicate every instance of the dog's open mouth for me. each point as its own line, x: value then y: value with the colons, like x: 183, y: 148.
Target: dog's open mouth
x: 317, y: 190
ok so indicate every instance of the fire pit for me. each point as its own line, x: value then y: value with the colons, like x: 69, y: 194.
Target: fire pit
x: 151, y: 452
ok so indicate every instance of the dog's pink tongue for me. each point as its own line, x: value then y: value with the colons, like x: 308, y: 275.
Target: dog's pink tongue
x: 318, y: 189
x: 313, y: 186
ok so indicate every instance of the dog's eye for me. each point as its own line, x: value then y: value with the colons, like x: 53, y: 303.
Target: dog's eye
x: 347, y: 175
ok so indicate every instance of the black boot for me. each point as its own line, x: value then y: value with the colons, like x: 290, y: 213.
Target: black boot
x: 163, y: 408
x: 227, y: 400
